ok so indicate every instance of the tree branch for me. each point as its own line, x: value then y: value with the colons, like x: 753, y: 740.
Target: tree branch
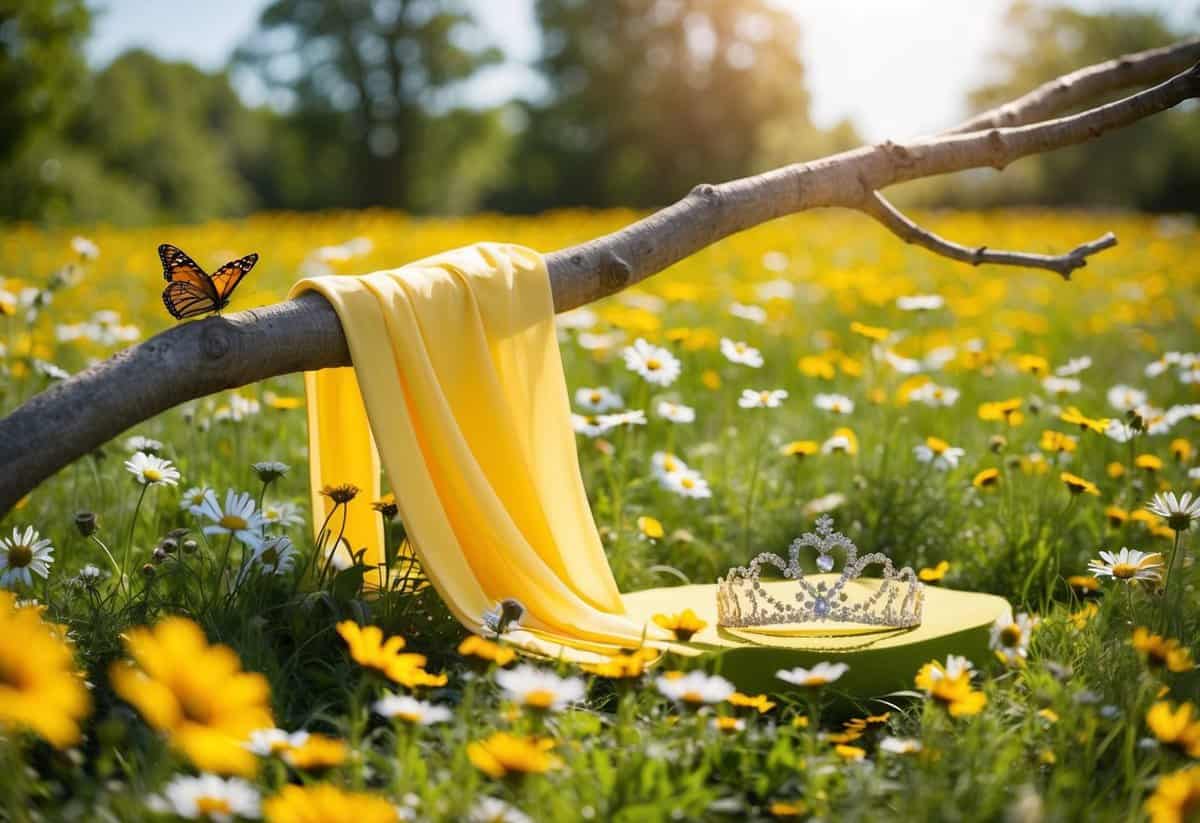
x: 195, y: 359
x: 896, y: 222
x: 1086, y: 85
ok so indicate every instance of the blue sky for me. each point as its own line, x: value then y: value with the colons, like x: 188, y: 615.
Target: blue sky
x: 895, y: 67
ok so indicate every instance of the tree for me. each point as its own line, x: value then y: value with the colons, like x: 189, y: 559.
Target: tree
x: 1046, y: 42
x: 650, y: 97
x: 362, y: 79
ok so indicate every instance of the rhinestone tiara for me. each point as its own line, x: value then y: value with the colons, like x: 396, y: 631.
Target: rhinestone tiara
x: 893, y: 601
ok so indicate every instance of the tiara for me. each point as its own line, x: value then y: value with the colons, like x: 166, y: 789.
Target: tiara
x: 893, y: 601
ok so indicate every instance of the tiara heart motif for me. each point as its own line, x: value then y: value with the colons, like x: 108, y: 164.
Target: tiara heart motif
x: 893, y: 601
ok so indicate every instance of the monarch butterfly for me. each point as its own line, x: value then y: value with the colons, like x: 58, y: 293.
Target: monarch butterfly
x: 190, y: 290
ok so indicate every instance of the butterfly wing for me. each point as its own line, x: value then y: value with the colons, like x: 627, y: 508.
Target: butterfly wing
x: 179, y: 268
x: 184, y: 299
x: 226, y: 278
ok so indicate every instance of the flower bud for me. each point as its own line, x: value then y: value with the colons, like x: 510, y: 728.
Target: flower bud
x: 86, y: 523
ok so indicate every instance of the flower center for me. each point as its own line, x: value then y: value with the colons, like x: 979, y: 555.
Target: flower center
x: 815, y: 680
x: 152, y: 475
x: 539, y: 698
x: 270, y: 557
x: 765, y: 397
x: 232, y: 522
x: 595, y: 396
x: 20, y: 556
x: 206, y: 805
x: 1011, y: 635
x: 1124, y: 570
x: 653, y: 364
x: 409, y: 717
x: 687, y: 483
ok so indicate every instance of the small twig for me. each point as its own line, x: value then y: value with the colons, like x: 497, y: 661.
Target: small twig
x: 878, y: 207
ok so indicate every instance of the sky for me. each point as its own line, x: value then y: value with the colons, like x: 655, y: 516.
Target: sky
x: 896, y: 68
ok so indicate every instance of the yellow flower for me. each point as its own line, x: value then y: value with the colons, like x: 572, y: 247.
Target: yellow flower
x: 1049, y: 715
x: 783, y: 809
x: 1081, y: 618
x: 40, y: 689
x: 1115, y: 470
x: 317, y: 752
x: 1163, y: 652
x: 1116, y: 516
x: 950, y: 685
x: 484, y: 649
x: 986, y: 479
x: 1083, y: 584
x: 684, y: 624
x: 1148, y: 462
x: 503, y: 754
x: 1008, y: 411
x: 1176, y: 798
x: 935, y: 574
x: 1075, y: 416
x: 800, y: 448
x: 1176, y: 727
x: 728, y: 725
x: 800, y: 722
x: 1181, y: 450
x: 622, y: 666
x: 759, y: 702
x: 1077, y: 485
x: 1057, y: 442
x: 369, y: 650
x: 1033, y: 364
x: 650, y: 527
x: 710, y: 379
x: 325, y: 803
x: 875, y: 333
x: 343, y: 493
x: 283, y: 402
x: 851, y: 754
x: 196, y: 693
x: 815, y: 365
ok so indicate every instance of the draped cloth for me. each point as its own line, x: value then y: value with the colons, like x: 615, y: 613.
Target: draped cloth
x: 457, y: 391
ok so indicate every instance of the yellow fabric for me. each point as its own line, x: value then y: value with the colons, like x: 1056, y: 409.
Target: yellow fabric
x: 457, y: 360
x: 457, y: 368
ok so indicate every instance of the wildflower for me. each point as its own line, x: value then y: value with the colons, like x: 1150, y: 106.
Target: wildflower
x: 842, y: 441
x: 1126, y: 398
x: 950, y: 685
x: 1083, y: 584
x: 1176, y: 727
x: 24, y: 555
x: 986, y: 479
x: 410, y: 710
x: 814, y: 365
x: 1128, y: 565
x: 1175, y: 798
x: 47, y: 369
x: 938, y: 452
x: 84, y: 247
x: 504, y: 615
x: 665, y: 463
x: 192, y: 499
x: 495, y: 810
x: 768, y: 399
x: 1181, y: 450
x: 710, y: 379
x: 1081, y: 618
x: 1010, y: 637
x: 920, y: 302
x: 836, y: 403
x: 599, y: 399
x: 695, y: 688
x: 269, y: 471
x: 935, y: 574
x: 137, y: 443
x: 759, y: 702
x: 369, y: 650
x: 208, y: 797
x: 635, y: 417
x: 1008, y: 411
x: 271, y: 742
x: 484, y: 649
x: 341, y: 494
x: 741, y: 353
x: 1180, y: 512
x: 900, y: 745
x: 675, y: 412
x: 538, y: 689
x: 237, y: 517
x: 650, y: 527
x: 931, y: 394
x: 503, y: 754
x: 653, y: 364
x: 150, y: 470
x: 1033, y: 364
x: 1161, y: 652
x: 821, y: 674
x: 1148, y: 462
x: 282, y: 402
x: 800, y: 448
x: 281, y: 514
x: 851, y: 754
x: 622, y: 666
x: 326, y: 803
x: 824, y: 504
x: 1077, y: 485
x: 684, y: 625
x: 1057, y: 442
x: 276, y: 555
x: 316, y: 752
x: 195, y: 693
x: 1074, y: 416
x: 875, y: 333
x: 688, y: 483
x: 588, y: 425
x: 783, y: 809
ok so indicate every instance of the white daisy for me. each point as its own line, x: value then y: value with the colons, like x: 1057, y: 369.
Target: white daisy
x: 741, y: 353
x: 269, y: 471
x: 48, y: 369
x: 1011, y: 635
x: 1125, y: 398
x: 209, y: 797
x: 775, y: 290
x: 938, y: 452
x: 589, y: 425
x: 904, y: 365
x: 1074, y: 366
x: 598, y: 399
x: 23, y: 555
x: 539, y: 689
x: 939, y: 357
x: 281, y: 514
x: 84, y: 248
x: 687, y: 483
x: 1061, y: 385
x: 1179, y: 512
x: 236, y: 517
x: 192, y: 499
x: 591, y: 341
x: 920, y: 302
x: 766, y: 399
x: 137, y: 443
x: 823, y: 504
x: 665, y: 463
x: 1128, y: 565
x: 276, y: 555
x: 1118, y: 431
x: 838, y: 444
x: 274, y: 742
x: 634, y: 417
x: 653, y: 364
x: 577, y: 319
x: 836, y: 403
x: 675, y: 412
x: 411, y: 710
x: 495, y: 810
x: 755, y: 314
x: 931, y: 394
x: 696, y: 688
x: 900, y: 745
x: 150, y: 470
x: 821, y: 674
x: 89, y: 575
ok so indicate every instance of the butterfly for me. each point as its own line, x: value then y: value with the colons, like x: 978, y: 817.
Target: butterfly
x: 191, y: 291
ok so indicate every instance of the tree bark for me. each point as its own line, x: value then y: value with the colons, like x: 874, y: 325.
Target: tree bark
x: 195, y: 359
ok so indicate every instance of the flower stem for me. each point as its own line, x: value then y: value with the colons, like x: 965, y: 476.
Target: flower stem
x: 129, y: 543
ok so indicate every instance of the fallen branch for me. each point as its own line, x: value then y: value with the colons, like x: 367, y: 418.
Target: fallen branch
x: 78, y: 415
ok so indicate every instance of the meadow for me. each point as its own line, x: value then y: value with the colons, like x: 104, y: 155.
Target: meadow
x: 175, y: 644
